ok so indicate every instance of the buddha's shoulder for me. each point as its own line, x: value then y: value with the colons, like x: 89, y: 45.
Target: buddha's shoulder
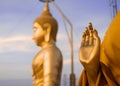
x: 53, y: 51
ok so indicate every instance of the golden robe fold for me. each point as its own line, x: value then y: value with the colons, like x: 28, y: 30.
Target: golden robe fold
x: 109, y: 70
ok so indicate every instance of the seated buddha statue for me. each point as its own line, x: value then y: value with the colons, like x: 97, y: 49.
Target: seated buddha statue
x: 101, y: 62
x: 47, y: 64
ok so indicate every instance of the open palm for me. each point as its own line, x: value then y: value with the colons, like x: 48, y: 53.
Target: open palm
x: 90, y: 46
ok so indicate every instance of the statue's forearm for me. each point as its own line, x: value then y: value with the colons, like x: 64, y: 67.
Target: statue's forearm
x: 92, y: 70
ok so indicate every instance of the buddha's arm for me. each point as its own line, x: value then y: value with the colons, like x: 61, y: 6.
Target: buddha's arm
x: 89, y: 54
x: 51, y: 72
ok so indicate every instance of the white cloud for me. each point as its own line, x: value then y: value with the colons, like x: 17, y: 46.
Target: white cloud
x: 15, y: 43
x: 68, y: 61
x: 13, y: 67
x: 62, y: 36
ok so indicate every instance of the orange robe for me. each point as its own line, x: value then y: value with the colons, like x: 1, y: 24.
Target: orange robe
x: 109, y: 70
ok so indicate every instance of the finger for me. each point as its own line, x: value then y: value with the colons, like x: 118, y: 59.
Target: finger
x: 95, y: 33
x: 96, y: 37
x: 87, y: 37
x: 90, y: 26
x: 91, y: 39
x: 87, y: 31
x: 83, y: 39
x: 91, y: 33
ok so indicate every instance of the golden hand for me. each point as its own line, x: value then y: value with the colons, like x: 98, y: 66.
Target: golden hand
x: 90, y: 46
x: 89, y: 53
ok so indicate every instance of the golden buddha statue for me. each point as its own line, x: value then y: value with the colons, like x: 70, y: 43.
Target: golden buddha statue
x: 101, y: 62
x: 47, y: 64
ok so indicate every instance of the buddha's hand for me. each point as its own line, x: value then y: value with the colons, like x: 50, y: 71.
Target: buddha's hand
x: 90, y: 48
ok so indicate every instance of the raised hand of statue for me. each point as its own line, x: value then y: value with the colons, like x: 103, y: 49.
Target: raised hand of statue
x: 89, y: 54
x: 90, y: 48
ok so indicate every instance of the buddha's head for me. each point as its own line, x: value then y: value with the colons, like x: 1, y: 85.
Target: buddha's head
x: 45, y: 27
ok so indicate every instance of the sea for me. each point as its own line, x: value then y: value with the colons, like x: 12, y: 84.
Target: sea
x: 27, y: 82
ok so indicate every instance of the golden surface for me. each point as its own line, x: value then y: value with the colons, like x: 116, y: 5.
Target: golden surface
x: 101, y: 64
x: 47, y: 64
x: 89, y: 53
x: 110, y: 49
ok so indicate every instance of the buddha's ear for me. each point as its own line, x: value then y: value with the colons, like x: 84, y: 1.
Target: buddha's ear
x: 48, y: 31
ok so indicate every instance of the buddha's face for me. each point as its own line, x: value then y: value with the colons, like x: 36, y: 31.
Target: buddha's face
x: 39, y: 34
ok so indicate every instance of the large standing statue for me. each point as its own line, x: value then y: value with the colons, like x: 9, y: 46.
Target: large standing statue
x: 101, y: 62
x: 47, y: 64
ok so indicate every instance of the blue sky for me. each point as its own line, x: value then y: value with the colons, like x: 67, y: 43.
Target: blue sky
x: 17, y: 48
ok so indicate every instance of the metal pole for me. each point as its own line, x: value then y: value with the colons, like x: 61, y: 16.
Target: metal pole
x: 113, y: 6
x: 70, y: 37
x: 72, y: 75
